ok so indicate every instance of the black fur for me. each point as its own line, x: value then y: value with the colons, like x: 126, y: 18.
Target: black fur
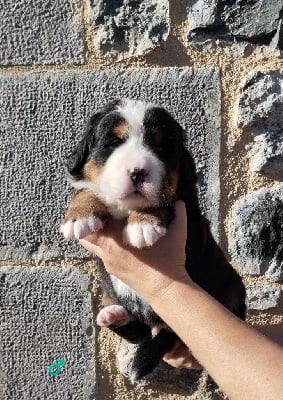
x: 205, y: 263
x: 95, y: 138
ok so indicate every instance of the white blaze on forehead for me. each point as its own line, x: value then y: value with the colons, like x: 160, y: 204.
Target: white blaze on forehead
x: 133, y: 111
x: 133, y: 154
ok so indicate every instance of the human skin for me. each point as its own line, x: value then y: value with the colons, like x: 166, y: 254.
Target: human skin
x: 244, y: 363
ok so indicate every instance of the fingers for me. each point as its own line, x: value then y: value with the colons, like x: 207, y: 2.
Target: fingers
x: 178, y: 227
x: 89, y: 243
x: 99, y: 243
x: 180, y: 209
x: 181, y: 357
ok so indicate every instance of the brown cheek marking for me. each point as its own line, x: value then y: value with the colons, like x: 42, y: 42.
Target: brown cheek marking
x: 84, y: 204
x: 91, y: 170
x: 170, y: 185
x: 121, y: 130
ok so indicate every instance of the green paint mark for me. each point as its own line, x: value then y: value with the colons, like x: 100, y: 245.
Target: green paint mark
x: 55, y: 368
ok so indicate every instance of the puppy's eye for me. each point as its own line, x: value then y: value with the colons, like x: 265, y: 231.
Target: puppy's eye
x: 114, y: 141
x: 159, y: 149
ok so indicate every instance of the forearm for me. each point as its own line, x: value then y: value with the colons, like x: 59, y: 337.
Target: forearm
x: 238, y: 358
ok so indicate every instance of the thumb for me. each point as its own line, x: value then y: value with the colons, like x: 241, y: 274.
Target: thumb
x: 178, y: 228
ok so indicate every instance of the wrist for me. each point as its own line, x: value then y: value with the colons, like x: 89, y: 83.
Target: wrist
x: 171, y: 293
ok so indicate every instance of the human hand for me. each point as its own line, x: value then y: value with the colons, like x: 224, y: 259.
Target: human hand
x: 149, y: 271
x: 181, y: 357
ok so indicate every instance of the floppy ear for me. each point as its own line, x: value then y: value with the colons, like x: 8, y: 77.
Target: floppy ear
x: 77, y: 159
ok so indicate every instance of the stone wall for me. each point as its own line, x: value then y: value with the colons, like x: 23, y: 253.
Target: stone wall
x: 218, y: 67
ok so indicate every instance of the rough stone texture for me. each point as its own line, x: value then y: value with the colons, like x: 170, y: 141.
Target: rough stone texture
x: 266, y: 153
x: 256, y: 233
x: 41, y: 32
x: 42, y: 115
x: 261, y: 109
x: 262, y: 297
x: 126, y: 28
x: 260, y: 98
x: 277, y: 42
x: 45, y: 315
x: 254, y: 21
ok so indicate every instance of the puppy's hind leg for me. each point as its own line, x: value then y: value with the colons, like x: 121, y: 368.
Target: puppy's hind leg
x: 150, y: 353
x: 120, y: 321
x: 113, y: 315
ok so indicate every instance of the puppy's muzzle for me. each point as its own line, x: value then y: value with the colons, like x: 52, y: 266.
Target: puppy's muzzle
x: 137, y: 175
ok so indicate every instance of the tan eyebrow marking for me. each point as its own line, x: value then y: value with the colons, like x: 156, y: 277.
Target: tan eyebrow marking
x: 121, y: 129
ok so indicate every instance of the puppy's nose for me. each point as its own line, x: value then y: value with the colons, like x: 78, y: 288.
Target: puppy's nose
x: 137, y: 175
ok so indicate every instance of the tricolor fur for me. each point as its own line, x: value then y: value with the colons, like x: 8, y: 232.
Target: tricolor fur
x: 133, y: 163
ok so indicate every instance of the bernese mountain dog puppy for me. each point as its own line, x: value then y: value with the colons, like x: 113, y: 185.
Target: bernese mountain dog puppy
x: 132, y: 164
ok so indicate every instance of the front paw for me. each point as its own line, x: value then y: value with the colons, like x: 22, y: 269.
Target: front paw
x: 78, y: 229
x: 142, y: 235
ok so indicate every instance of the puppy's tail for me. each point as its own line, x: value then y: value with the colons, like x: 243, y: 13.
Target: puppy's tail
x: 150, y: 353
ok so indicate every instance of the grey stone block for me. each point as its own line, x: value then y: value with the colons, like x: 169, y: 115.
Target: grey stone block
x: 261, y: 109
x: 260, y: 97
x: 266, y: 153
x: 256, y: 233
x: 129, y: 27
x: 234, y: 21
x: 43, y: 115
x: 41, y: 32
x: 277, y: 42
x: 45, y: 316
x: 262, y: 297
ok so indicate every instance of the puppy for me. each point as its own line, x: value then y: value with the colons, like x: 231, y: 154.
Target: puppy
x: 133, y: 164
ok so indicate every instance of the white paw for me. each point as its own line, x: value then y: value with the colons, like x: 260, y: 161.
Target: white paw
x: 113, y: 315
x: 81, y: 227
x: 142, y: 235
